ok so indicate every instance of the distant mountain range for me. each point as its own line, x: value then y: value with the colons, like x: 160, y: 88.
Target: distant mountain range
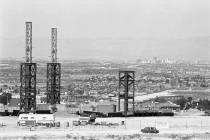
x: 111, y: 48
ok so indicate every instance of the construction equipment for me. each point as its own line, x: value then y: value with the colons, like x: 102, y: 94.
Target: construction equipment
x: 126, y: 84
x: 28, y: 76
x: 53, y: 73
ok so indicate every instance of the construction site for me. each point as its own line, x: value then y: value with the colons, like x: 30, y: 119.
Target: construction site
x: 105, y: 120
x: 124, y: 107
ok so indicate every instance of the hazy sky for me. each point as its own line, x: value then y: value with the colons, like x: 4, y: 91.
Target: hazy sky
x: 117, y: 29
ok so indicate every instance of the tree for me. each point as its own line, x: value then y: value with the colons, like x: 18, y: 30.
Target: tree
x: 204, y: 104
x: 160, y: 100
x: 189, y: 99
x: 16, y: 90
x: 5, y: 98
x: 182, y: 102
x: 43, y: 99
x: 54, y: 109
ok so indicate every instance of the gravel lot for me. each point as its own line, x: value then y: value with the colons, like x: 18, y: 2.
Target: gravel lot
x: 178, y: 127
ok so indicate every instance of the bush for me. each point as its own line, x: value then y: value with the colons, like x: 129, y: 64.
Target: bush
x: 54, y: 109
x: 5, y: 98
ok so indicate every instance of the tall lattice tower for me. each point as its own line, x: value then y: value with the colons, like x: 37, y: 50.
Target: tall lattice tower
x: 126, y: 90
x: 28, y: 76
x: 53, y: 72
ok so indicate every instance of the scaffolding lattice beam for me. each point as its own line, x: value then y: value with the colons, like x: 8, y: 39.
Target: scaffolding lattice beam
x: 126, y: 85
x: 28, y: 49
x: 28, y: 76
x: 53, y: 72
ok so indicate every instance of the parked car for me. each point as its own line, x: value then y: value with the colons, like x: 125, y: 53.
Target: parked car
x: 76, y: 123
x: 84, y: 120
x: 83, y: 123
x: 97, y: 123
x: 149, y: 130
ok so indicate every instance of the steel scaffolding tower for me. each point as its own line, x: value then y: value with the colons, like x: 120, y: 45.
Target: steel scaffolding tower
x: 126, y: 89
x: 28, y: 76
x: 53, y: 72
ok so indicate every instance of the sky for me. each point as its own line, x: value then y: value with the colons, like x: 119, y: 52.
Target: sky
x: 108, y: 29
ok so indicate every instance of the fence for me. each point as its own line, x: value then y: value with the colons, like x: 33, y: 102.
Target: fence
x: 171, y: 124
x: 137, y: 125
x: 191, y: 124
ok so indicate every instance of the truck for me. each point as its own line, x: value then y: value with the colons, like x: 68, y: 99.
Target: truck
x: 84, y: 120
x: 150, y: 130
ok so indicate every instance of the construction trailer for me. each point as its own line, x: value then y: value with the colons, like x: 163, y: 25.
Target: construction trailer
x: 38, y: 119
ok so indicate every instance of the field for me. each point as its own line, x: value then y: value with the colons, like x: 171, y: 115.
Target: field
x: 171, y: 128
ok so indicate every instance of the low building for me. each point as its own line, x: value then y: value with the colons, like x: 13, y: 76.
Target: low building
x: 151, y: 105
x: 173, y: 98
x: 42, y: 106
x: 168, y: 106
x: 72, y: 108
x: 207, y: 113
x: 93, y: 93
x: 91, y: 106
x: 14, y: 106
x: 2, y: 107
x: 61, y: 107
x: 105, y: 107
